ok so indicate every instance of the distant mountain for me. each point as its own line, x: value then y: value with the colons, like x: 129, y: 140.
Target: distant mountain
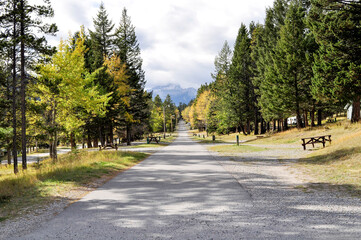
x: 176, y: 92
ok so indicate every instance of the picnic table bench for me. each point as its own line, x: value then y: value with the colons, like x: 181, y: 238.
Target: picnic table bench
x: 313, y: 140
x: 110, y: 145
x: 155, y: 139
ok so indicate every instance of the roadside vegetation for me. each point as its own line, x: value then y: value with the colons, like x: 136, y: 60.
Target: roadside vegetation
x: 337, y: 166
x: 46, y: 182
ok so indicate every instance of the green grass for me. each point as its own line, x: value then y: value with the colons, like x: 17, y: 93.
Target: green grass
x: 338, y: 165
x: 151, y: 145
x: 45, y: 183
x: 234, y: 149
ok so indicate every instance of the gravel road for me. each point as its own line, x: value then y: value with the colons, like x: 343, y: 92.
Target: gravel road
x: 183, y: 191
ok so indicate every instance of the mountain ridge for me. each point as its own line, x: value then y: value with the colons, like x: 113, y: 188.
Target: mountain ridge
x: 176, y: 92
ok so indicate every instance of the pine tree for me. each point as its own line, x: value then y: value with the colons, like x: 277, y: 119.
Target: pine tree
x: 240, y: 90
x: 127, y: 48
x: 23, y: 23
x: 102, y: 38
x: 337, y: 68
x: 269, y: 100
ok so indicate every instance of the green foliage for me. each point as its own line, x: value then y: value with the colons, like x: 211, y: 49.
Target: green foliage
x: 337, y: 68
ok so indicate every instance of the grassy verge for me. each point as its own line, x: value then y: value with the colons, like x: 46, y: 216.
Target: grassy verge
x: 231, y: 150
x: 228, y: 138
x: 338, y: 165
x: 42, y: 184
x: 151, y: 145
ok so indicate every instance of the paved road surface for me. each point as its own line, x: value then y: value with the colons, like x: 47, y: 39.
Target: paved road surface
x: 180, y: 192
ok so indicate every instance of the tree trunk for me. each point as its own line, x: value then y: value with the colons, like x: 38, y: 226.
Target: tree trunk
x: 306, y: 119
x: 285, y: 126
x: 95, y: 142
x: 23, y: 85
x: 263, y: 126
x: 356, y: 110
x: 256, y: 123
x: 89, y: 142
x: 51, y: 148
x: 9, y: 155
x: 319, y: 117
x: 15, y: 152
x: 279, y: 125
x: 274, y: 125
x: 55, y: 147
x: 128, y: 134
x: 312, y: 116
x: 248, y: 127
x: 101, y: 135
x: 111, y: 135
x: 72, y: 141
x: 243, y: 130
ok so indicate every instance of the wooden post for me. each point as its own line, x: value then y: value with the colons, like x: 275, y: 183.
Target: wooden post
x: 304, y: 144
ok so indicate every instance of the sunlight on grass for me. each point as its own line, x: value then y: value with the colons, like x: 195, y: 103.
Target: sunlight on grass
x: 40, y: 184
x: 338, y: 164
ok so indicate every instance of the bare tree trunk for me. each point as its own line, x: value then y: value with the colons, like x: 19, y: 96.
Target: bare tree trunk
x: 89, y: 142
x: 101, y: 135
x: 285, y: 125
x: 23, y: 85
x: 128, y: 134
x: 312, y: 115
x: 72, y: 141
x: 256, y: 123
x: 274, y: 125
x: 248, y: 127
x: 356, y: 110
x: 15, y: 154
x: 279, y: 125
x: 95, y: 142
x: 9, y: 155
x: 306, y: 119
x: 111, y: 135
x: 51, y: 148
x: 319, y: 117
x: 263, y: 126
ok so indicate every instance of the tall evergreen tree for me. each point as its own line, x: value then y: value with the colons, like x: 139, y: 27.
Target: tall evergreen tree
x: 240, y: 95
x: 23, y: 22
x: 336, y: 25
x: 101, y: 47
x: 290, y: 61
x: 223, y: 115
x: 269, y: 99
x: 102, y: 38
x: 127, y: 48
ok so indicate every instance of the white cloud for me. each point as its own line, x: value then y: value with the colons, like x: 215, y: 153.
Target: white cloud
x: 179, y: 38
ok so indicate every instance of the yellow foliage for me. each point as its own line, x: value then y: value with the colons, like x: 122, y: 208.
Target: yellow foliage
x: 117, y: 69
x: 202, y: 105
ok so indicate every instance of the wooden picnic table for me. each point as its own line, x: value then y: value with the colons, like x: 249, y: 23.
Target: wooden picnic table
x: 109, y: 145
x: 313, y: 140
x: 152, y: 138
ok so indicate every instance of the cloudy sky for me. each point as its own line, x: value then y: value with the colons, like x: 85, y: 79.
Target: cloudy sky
x: 179, y: 39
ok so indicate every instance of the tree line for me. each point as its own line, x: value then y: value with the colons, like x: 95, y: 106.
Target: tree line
x: 303, y: 61
x: 90, y: 89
